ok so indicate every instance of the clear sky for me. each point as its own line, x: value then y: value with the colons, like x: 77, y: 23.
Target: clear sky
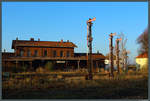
x: 53, y: 21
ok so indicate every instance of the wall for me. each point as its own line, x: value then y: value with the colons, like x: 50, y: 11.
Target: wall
x: 49, y: 51
x: 142, y: 61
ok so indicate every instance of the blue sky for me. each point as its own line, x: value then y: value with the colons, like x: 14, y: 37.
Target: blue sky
x: 53, y: 21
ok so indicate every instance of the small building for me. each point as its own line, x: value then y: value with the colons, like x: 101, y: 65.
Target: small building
x: 98, y: 59
x: 142, y: 60
x: 107, y: 62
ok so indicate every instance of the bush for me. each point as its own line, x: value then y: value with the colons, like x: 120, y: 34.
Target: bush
x: 40, y: 70
x: 49, y: 66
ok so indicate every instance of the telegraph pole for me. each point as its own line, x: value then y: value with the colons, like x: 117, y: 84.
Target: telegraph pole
x: 111, y: 53
x: 89, y: 40
x: 117, y: 54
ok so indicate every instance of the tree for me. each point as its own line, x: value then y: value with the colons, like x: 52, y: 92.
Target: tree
x: 123, y: 51
x: 142, y: 40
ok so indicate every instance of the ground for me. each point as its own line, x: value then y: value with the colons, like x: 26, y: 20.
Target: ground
x: 133, y: 85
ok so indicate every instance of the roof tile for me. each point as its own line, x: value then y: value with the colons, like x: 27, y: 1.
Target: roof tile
x: 42, y: 43
x: 143, y: 55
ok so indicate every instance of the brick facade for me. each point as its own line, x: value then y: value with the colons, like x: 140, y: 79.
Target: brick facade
x: 34, y: 54
x: 44, y: 52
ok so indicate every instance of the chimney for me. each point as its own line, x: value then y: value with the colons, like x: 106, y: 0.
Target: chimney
x: 67, y: 40
x: 16, y: 38
x: 61, y: 40
x: 97, y: 52
x: 4, y: 50
x: 38, y: 39
x: 31, y: 39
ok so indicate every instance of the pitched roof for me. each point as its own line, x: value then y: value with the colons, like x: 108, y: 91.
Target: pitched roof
x: 33, y: 43
x: 107, y: 57
x: 143, y: 55
x: 94, y: 55
x: 7, y: 54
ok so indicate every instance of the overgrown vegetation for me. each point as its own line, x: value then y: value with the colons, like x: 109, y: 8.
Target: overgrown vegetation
x: 133, y: 85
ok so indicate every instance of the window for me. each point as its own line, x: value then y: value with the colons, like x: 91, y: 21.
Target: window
x: 35, y: 53
x: 45, y: 52
x: 42, y: 52
x: 21, y: 52
x: 54, y: 53
x: 28, y: 53
x: 68, y: 53
x: 61, y: 53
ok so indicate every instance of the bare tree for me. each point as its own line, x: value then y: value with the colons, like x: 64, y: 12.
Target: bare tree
x: 123, y: 50
x: 142, y: 40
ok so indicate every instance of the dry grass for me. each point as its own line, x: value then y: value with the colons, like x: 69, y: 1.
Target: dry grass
x: 133, y: 85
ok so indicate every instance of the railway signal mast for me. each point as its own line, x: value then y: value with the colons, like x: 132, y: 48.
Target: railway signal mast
x: 117, y: 54
x: 111, y: 53
x: 89, y: 45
